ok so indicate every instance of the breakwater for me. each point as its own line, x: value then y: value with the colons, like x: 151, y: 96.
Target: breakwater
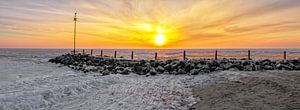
x: 106, y: 65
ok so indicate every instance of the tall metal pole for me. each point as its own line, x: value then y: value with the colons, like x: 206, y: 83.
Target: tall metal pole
x: 75, y: 19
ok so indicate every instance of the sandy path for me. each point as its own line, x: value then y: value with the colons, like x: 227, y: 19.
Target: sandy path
x: 262, y: 91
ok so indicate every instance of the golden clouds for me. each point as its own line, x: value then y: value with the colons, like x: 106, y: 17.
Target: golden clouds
x: 134, y: 23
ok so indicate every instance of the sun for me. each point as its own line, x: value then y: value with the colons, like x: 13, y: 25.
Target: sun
x: 160, y: 38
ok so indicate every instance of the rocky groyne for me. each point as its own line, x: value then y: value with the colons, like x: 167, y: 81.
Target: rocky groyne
x: 106, y: 66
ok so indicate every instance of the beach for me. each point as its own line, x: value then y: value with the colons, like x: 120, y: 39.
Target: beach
x: 267, y: 90
x: 30, y: 82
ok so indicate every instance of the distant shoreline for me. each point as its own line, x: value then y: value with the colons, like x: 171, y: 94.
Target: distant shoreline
x: 168, y: 48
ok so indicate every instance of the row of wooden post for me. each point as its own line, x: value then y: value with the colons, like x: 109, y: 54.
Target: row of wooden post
x: 184, y: 54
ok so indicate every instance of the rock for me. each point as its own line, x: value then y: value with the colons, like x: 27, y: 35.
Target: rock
x: 169, y: 67
x: 169, y: 61
x: 146, y: 69
x: 194, y: 72
x: 265, y: 62
x: 181, y: 64
x: 106, y: 72
x: 154, y: 63
x: 72, y: 66
x: 249, y: 68
x: 188, y: 67
x: 160, y: 69
x: 166, y: 72
x: 297, y: 67
x: 258, y: 67
x: 214, y: 63
x: 204, y: 67
x: 226, y: 66
x: 148, y: 74
x: 218, y: 69
x: 91, y: 68
x: 153, y: 72
x: 138, y: 68
x: 246, y: 62
x: 142, y: 62
x: 110, y: 67
x: 119, y: 68
x: 181, y: 71
x: 268, y: 67
x: 237, y: 66
x: 126, y: 71
x: 283, y: 67
x: 87, y: 63
x: 295, y: 61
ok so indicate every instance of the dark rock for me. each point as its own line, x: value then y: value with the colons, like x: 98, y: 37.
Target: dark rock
x: 188, y: 67
x: 126, y: 71
x: 297, y: 67
x: 142, y: 62
x: 87, y: 63
x: 160, y: 69
x: 138, y: 68
x: 181, y: 71
x: 283, y: 67
x: 249, y: 68
x: 169, y: 61
x: 153, y: 72
x: 181, y: 64
x: 106, y: 72
x: 237, y: 66
x: 246, y: 62
x: 295, y: 61
x: 154, y: 64
x: 268, y: 67
x: 194, y: 72
x: 265, y: 62
x: 226, y: 66
x: 169, y: 67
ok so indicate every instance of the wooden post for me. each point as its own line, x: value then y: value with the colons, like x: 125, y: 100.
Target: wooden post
x: 155, y: 55
x: 132, y: 55
x: 249, y: 55
x: 216, y: 55
x: 92, y: 52
x: 115, y: 56
x: 75, y: 19
x: 284, y: 55
x: 101, y: 54
x: 184, y: 55
x: 83, y: 51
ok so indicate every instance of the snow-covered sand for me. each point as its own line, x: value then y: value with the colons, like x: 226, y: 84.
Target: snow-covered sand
x: 33, y: 83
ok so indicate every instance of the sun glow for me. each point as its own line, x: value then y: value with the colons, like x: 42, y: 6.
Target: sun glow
x: 160, y: 38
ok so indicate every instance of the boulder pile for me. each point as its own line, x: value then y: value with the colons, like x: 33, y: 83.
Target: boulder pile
x: 106, y: 65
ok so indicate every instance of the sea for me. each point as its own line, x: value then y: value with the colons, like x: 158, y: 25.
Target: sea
x: 162, y: 54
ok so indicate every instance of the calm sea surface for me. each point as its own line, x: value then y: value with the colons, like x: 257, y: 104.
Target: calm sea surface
x: 150, y: 53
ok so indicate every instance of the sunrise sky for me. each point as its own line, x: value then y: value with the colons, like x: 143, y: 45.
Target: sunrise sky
x: 140, y: 23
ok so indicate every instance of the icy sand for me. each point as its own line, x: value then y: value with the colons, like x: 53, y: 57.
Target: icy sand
x: 37, y: 84
x: 268, y: 90
x: 29, y: 83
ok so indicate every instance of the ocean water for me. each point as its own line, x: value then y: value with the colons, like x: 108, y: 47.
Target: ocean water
x: 161, y: 53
